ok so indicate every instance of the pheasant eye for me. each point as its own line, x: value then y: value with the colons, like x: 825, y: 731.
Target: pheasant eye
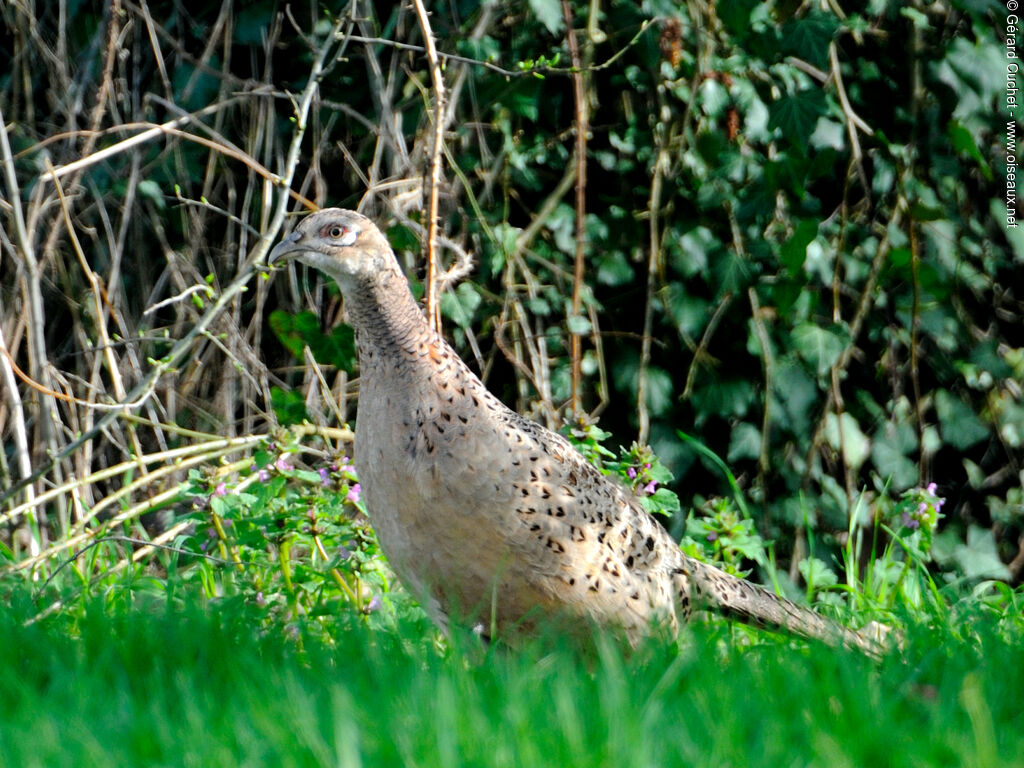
x: 336, y: 231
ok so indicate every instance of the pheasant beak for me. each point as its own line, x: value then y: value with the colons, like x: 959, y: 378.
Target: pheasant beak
x: 285, y: 248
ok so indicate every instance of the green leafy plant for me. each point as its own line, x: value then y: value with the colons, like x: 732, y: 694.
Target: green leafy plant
x: 293, y: 541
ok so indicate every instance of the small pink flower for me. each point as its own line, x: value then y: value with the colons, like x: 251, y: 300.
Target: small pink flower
x: 282, y: 464
x: 325, y: 477
x: 222, y: 489
x: 651, y: 487
x: 353, y: 493
x: 632, y: 473
x: 932, y: 487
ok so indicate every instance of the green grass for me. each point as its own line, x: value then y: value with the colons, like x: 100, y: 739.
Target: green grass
x: 270, y: 632
x: 190, y: 687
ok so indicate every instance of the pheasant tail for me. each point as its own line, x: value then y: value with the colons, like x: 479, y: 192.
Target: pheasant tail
x: 713, y: 589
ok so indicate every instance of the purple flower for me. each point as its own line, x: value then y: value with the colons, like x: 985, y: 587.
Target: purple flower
x: 353, y: 493
x: 931, y: 489
x: 631, y: 472
x: 325, y: 476
x: 263, y: 475
x: 713, y: 536
x: 221, y: 490
x: 651, y: 487
x: 373, y: 605
x: 282, y: 463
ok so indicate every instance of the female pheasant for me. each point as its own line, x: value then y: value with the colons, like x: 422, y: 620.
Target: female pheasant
x: 487, y: 517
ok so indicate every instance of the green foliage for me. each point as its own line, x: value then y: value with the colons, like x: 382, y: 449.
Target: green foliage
x: 301, y: 330
x: 723, y: 537
x: 293, y: 543
x: 289, y: 406
x: 637, y: 468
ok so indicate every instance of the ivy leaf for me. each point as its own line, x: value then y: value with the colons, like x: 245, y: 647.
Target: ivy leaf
x: 820, y: 347
x: 809, y: 37
x: 828, y: 134
x: 614, y: 269
x: 578, y: 325
x: 724, y: 398
x: 965, y: 144
x: 288, y: 405
x: 845, y: 432
x: 733, y: 272
x: 796, y: 392
x: 794, y: 251
x: 287, y: 329
x: 744, y: 442
x: 549, y: 12
x: 660, y: 390
x: 151, y: 190
x: 978, y: 558
x: 460, y: 304
x: 960, y: 426
x: 890, y: 447
x: 796, y: 115
x: 296, y: 332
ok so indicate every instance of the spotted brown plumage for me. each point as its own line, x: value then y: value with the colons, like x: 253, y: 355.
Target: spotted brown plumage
x: 485, y: 515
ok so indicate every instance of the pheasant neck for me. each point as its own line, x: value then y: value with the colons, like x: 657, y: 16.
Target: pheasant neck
x: 386, y: 317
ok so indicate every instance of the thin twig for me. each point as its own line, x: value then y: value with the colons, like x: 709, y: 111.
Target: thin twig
x: 768, y: 360
x: 705, y: 341
x: 654, y: 260
x: 582, y: 119
x: 433, y: 187
x: 852, y: 120
x: 227, y: 297
x: 490, y: 65
x: 864, y: 304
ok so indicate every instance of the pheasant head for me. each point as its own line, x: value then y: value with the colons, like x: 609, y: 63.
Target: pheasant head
x: 344, y: 244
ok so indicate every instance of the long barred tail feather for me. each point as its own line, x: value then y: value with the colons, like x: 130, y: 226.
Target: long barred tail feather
x: 710, y: 588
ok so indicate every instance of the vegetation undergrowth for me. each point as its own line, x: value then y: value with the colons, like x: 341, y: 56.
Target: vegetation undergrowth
x: 282, y: 530
x: 158, y: 685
